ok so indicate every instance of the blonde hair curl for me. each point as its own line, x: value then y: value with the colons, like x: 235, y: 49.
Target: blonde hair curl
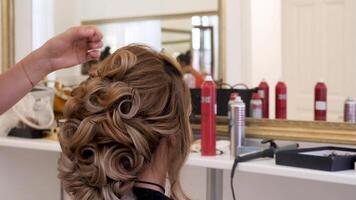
x: 114, y: 123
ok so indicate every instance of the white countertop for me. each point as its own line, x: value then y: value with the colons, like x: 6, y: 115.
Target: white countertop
x: 35, y: 144
x: 224, y: 162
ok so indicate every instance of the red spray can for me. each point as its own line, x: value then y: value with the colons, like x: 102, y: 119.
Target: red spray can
x: 256, y: 110
x: 281, y: 100
x: 263, y: 91
x: 208, y: 117
x: 320, y: 101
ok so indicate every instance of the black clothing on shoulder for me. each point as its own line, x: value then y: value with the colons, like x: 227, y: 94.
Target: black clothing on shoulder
x: 148, y: 194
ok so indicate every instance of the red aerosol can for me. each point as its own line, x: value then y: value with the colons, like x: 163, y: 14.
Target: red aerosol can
x: 281, y: 100
x: 263, y: 91
x: 320, y: 101
x: 208, y: 117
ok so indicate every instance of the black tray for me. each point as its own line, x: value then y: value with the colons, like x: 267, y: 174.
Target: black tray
x: 321, y: 158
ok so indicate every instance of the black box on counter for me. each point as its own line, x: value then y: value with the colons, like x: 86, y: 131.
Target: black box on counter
x: 321, y: 158
x: 26, y: 133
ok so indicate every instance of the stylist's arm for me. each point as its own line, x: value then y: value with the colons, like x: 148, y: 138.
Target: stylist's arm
x: 75, y: 46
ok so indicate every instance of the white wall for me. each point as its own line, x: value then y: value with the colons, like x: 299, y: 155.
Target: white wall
x: 266, y: 41
x: 266, y: 45
x: 252, y: 41
x: 23, y: 28
x: 232, y: 44
x: 66, y: 15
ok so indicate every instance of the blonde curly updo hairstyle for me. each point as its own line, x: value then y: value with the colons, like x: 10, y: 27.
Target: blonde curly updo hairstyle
x: 114, y: 123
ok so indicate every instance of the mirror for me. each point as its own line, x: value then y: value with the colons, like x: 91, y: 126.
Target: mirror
x: 193, y: 34
x: 303, y: 42
x: 300, y: 42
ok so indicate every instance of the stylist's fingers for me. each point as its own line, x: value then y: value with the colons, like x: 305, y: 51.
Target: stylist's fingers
x: 98, y: 36
x: 95, y: 45
x: 93, y: 55
x: 91, y: 33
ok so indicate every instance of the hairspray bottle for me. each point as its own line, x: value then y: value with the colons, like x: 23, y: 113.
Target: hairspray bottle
x: 350, y: 110
x: 281, y: 100
x: 320, y: 101
x: 232, y: 100
x: 208, y: 117
x: 237, y: 121
x: 256, y: 106
x: 263, y: 91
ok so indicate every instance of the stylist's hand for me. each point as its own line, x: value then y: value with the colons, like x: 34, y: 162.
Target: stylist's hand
x: 75, y: 46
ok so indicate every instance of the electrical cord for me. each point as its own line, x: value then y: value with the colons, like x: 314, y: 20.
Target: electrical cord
x: 247, y: 157
x: 232, y: 178
x: 240, y: 84
x: 221, y: 84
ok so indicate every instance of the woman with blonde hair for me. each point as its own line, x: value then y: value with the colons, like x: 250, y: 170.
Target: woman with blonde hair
x: 127, y: 129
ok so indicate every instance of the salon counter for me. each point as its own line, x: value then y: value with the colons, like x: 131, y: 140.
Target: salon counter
x: 219, y: 163
x: 224, y: 162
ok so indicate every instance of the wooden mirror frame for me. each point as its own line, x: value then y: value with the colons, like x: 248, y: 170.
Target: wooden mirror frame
x: 303, y: 131
x: 7, y: 34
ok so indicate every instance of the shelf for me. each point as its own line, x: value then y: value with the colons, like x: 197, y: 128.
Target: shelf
x: 223, y: 162
x: 34, y: 144
x: 268, y: 167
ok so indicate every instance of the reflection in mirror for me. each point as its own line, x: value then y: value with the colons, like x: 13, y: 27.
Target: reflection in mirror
x: 193, y: 38
x: 205, y: 39
x: 302, y: 43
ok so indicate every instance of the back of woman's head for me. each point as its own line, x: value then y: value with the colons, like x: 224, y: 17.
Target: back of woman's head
x: 115, y: 122
x: 185, y: 59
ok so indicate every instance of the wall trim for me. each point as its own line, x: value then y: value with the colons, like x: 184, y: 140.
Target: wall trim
x: 7, y: 34
x: 148, y: 17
